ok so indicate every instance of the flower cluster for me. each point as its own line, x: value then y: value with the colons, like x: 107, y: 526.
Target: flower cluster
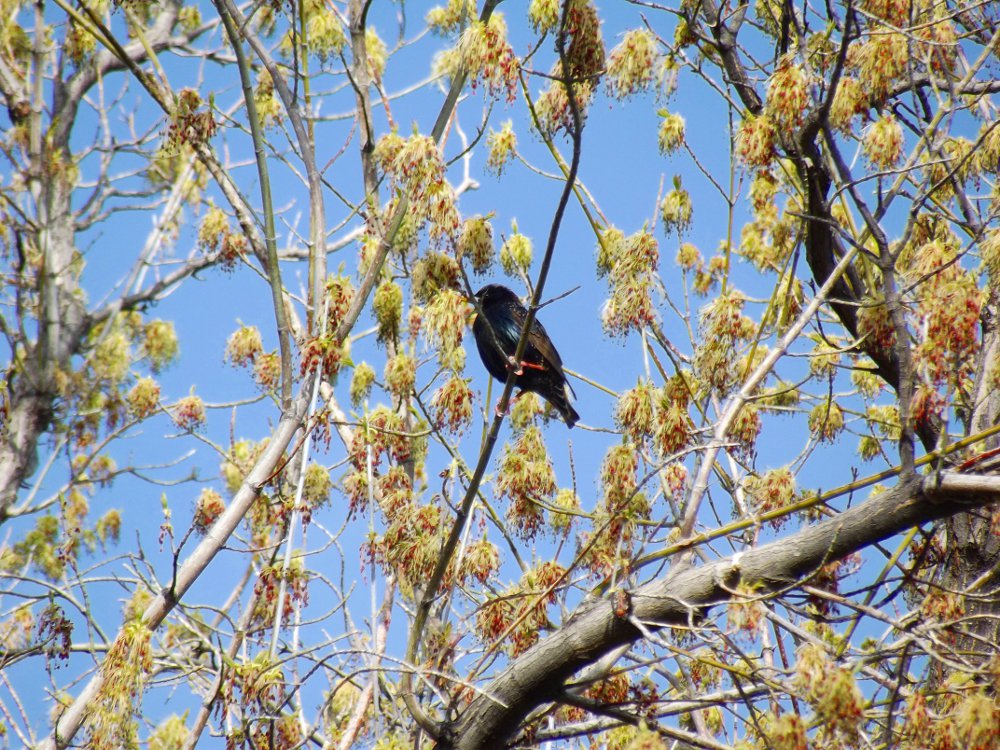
x: 444, y: 326
x: 452, y: 404
x: 476, y: 243
x: 618, y: 513
x: 879, y: 60
x: 671, y: 133
x: 826, y: 420
x: 361, y: 383
x: 416, y: 167
x: 267, y: 371
x: 377, y: 53
x: 636, y: 410
x: 268, y: 586
x: 188, y: 125
x: 787, y: 95
x: 79, y: 44
x: 488, y: 56
x: 849, y: 100
x: 629, y: 264
x: 215, y: 235
x: 159, y: 344
x: 585, y: 54
x: 433, y: 273
x: 111, y: 721
x: 553, y: 107
x: 831, y: 690
x: 883, y: 142
x: 268, y: 108
x: 243, y: 346
x: 388, y: 306
x: 875, y: 325
x: 326, y: 354
x: 189, y: 413
x: 948, y: 307
x: 673, y: 423
x: 631, y: 65
x: 411, y: 543
x: 401, y: 375
x: 516, y: 252
x: 383, y: 430
x: 722, y: 326
x: 143, y: 398
x: 755, y: 141
x: 339, y: 295
x: 524, y: 477
x: 208, y: 507
x: 324, y: 35
x: 521, y: 609
x: 895, y: 12
x: 543, y: 14
x: 969, y: 719
x: 745, y: 611
x: 771, y: 491
x: 676, y: 210
x: 451, y: 17
x: 502, y: 146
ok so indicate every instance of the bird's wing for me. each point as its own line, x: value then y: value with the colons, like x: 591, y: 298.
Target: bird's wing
x: 540, y: 350
x: 541, y: 342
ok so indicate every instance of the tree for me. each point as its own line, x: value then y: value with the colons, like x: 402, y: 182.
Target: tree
x: 329, y: 553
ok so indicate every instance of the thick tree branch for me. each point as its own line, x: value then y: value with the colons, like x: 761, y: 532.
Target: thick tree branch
x: 538, y: 676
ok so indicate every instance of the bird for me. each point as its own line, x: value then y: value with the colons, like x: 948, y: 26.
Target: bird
x: 497, y: 330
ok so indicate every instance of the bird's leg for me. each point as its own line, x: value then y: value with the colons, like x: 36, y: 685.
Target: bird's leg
x: 518, y: 367
x: 510, y: 404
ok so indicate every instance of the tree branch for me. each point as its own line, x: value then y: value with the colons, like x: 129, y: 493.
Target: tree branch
x: 537, y: 677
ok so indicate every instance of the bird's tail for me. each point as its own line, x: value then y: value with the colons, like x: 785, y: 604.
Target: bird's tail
x: 559, y: 398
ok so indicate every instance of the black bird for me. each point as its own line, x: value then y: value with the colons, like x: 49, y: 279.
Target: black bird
x: 540, y: 369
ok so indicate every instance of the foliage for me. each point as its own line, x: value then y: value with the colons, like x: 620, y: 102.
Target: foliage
x: 784, y: 221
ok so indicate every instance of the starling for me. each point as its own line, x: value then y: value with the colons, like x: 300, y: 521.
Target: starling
x: 540, y: 369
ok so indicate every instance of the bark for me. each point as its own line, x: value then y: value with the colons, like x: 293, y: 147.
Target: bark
x: 972, y: 557
x: 539, y: 675
x: 62, y: 320
x: 62, y: 324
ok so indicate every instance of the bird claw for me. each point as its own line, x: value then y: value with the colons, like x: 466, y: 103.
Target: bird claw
x: 500, y: 412
x: 510, y: 405
x: 518, y: 367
